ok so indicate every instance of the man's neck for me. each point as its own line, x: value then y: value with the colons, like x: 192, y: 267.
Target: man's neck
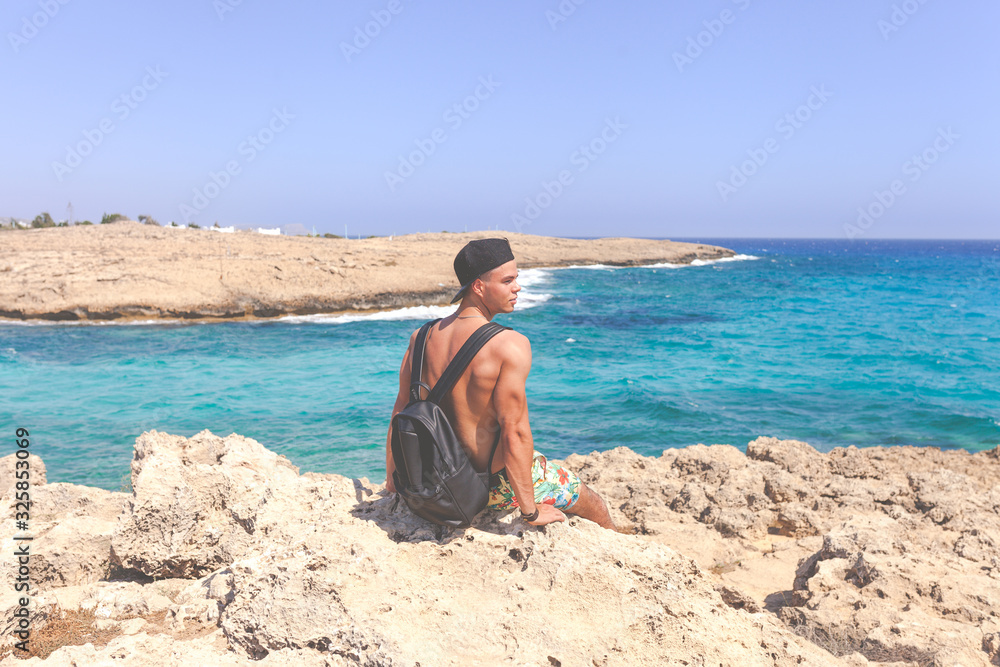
x: 472, y: 311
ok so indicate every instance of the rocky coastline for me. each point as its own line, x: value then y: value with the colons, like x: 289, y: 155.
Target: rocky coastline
x: 127, y: 271
x: 222, y: 553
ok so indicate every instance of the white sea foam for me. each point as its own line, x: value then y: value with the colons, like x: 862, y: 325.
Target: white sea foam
x: 700, y: 262
x: 661, y: 265
x: 587, y: 266
x: 529, y: 279
x: 526, y: 298
x: 408, y: 313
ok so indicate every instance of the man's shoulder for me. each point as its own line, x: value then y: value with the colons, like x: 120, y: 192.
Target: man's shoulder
x: 510, y: 344
x: 512, y: 337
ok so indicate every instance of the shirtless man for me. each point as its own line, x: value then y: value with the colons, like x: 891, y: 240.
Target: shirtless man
x: 490, y: 395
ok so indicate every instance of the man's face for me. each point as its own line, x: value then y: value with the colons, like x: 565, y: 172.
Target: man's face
x: 500, y: 288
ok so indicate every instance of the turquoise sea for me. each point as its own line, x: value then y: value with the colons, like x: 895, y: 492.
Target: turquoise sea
x: 832, y: 342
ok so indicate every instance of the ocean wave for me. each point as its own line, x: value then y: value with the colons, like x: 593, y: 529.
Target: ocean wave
x: 528, y: 298
x: 525, y: 299
x: 659, y: 265
x: 700, y: 262
x: 408, y: 313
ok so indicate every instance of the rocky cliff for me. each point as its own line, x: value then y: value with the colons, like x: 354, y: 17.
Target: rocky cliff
x: 131, y: 271
x: 224, y: 554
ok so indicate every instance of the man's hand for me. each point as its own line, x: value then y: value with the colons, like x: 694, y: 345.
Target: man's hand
x: 547, y: 514
x: 390, y: 487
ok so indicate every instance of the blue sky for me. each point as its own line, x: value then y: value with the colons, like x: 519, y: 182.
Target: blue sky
x: 863, y: 119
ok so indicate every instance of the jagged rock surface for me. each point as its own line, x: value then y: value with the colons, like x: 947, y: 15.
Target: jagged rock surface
x: 890, y: 553
x: 9, y: 468
x: 790, y: 556
x: 74, y: 523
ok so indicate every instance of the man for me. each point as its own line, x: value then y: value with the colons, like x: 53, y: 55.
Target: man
x: 490, y: 395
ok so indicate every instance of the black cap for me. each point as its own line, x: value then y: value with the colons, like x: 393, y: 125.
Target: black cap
x: 478, y: 257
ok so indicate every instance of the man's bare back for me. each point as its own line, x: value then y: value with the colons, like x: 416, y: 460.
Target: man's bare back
x: 489, y: 399
x: 469, y: 405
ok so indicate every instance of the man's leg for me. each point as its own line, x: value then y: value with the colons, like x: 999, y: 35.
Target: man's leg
x: 591, y: 506
x: 564, y: 489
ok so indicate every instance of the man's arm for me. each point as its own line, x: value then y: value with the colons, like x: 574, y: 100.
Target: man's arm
x: 402, y: 398
x: 511, y: 404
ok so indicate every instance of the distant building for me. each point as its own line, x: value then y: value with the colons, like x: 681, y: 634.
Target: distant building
x: 273, y: 232
x: 224, y: 230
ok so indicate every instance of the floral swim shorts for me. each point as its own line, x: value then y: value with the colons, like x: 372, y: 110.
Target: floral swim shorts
x: 553, y: 486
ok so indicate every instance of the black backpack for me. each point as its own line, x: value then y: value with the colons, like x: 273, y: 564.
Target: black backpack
x: 433, y: 473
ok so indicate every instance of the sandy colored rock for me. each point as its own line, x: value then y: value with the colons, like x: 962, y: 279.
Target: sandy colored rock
x: 160, y: 650
x: 128, y: 270
x: 37, y: 612
x: 123, y: 599
x: 784, y: 556
x: 198, y: 503
x: 75, y: 524
x: 336, y: 567
x: 9, y: 469
x: 887, y: 553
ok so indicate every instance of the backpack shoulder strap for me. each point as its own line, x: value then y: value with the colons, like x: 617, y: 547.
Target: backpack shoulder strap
x: 417, y: 362
x: 464, y: 357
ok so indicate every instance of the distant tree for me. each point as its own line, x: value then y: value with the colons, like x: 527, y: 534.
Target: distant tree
x: 328, y: 235
x: 43, y: 220
x: 62, y: 224
x: 114, y: 217
x: 174, y: 224
x: 85, y: 222
x: 148, y: 220
x: 193, y: 225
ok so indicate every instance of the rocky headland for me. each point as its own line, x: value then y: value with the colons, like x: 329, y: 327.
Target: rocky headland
x: 127, y: 270
x: 224, y: 554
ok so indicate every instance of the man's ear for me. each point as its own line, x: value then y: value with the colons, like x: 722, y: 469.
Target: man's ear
x: 479, y: 287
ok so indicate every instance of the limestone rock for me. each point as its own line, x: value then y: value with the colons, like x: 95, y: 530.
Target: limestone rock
x: 159, y: 650
x: 17, y: 618
x: 198, y: 503
x: 880, y: 556
x: 201, y: 603
x: 71, y: 526
x: 9, y: 469
x: 798, y: 458
x: 907, y: 562
x: 121, y: 600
